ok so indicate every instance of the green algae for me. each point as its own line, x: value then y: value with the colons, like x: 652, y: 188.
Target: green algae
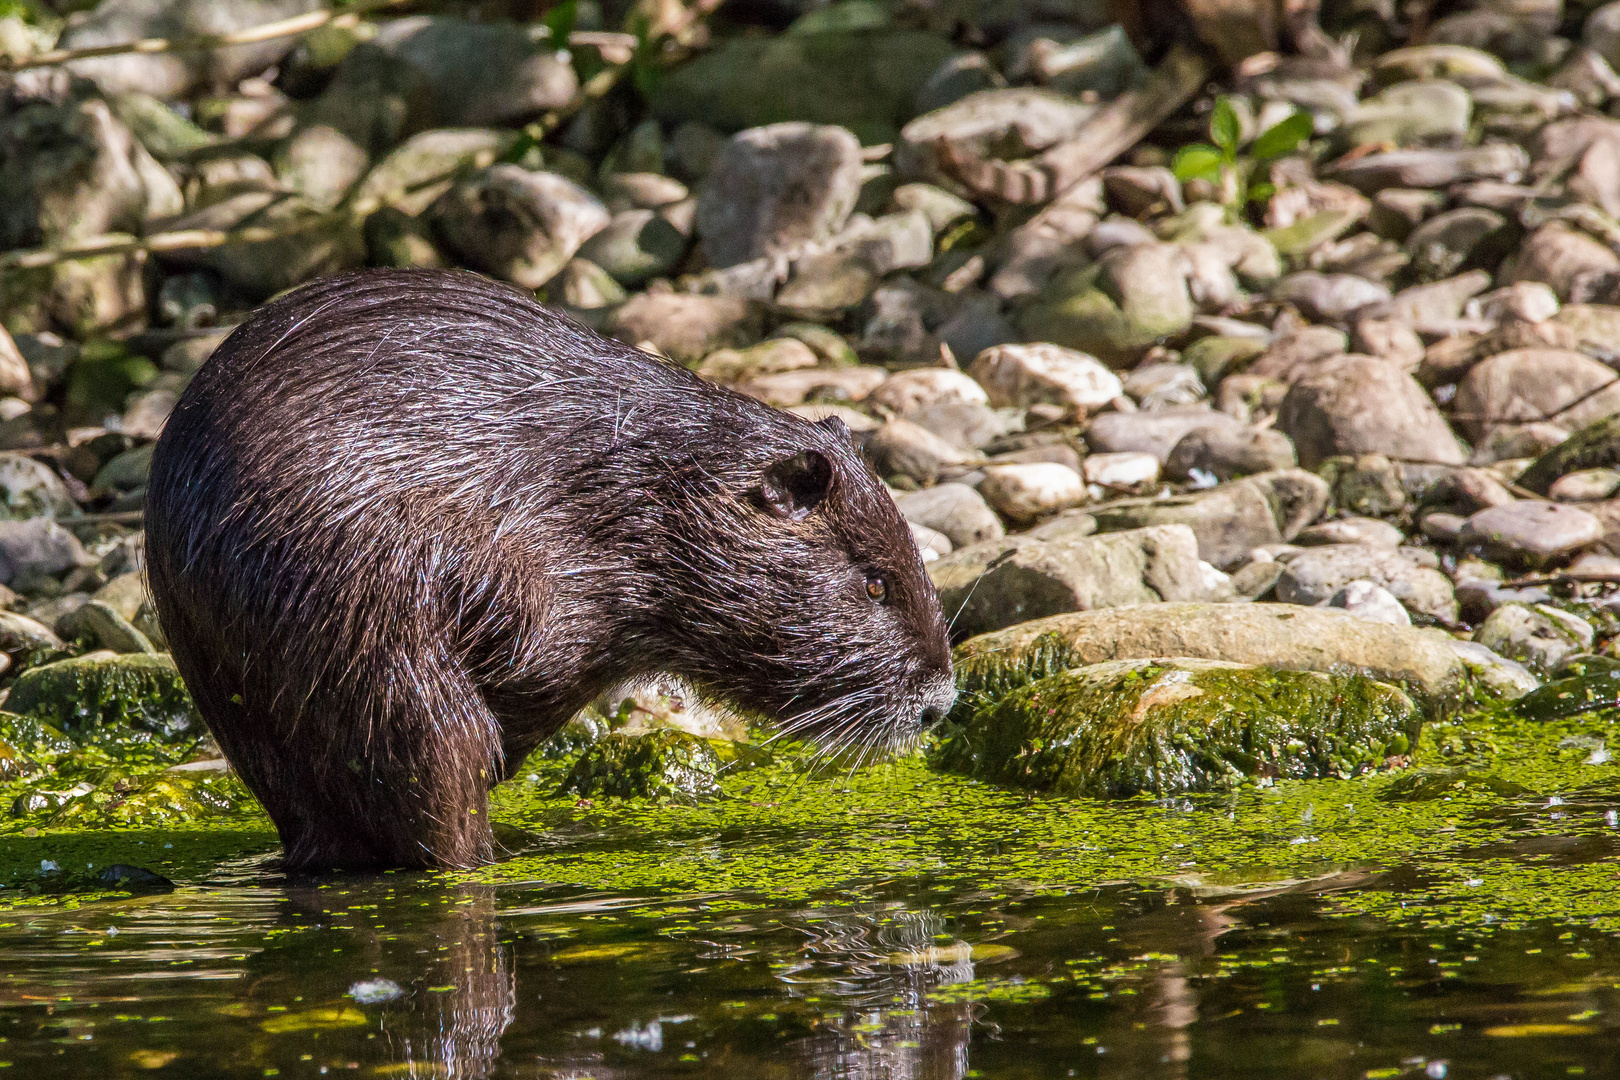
x: 1584, y: 693
x: 1172, y: 727
x: 103, y: 693
x: 660, y: 765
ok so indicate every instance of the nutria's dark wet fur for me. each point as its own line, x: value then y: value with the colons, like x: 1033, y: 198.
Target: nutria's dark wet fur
x: 403, y: 524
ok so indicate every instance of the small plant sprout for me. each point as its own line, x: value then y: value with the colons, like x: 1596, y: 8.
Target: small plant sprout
x: 1220, y: 164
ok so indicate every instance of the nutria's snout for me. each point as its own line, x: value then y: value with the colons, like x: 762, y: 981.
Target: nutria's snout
x: 937, y: 704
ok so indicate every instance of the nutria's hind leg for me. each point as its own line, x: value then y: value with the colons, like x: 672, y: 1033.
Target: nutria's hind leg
x: 407, y: 787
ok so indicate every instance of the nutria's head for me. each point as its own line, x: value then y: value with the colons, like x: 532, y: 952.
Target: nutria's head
x: 793, y: 587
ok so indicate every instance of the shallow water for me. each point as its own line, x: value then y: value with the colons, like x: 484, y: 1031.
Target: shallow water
x: 893, y: 923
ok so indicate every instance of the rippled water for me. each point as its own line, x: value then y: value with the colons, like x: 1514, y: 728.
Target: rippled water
x: 887, y: 939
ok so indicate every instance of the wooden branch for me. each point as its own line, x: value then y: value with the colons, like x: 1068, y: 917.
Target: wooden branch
x: 620, y: 44
x: 1565, y: 577
x: 179, y: 240
x: 1114, y: 129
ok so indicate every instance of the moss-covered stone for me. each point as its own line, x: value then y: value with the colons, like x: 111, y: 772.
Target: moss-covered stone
x: 103, y: 696
x: 1267, y: 635
x: 1571, y: 697
x: 155, y: 800
x: 1175, y: 726
x: 1596, y: 446
x: 660, y: 765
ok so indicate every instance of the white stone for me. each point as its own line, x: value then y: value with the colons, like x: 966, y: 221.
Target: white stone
x: 1126, y: 469
x: 1369, y: 600
x: 907, y: 391
x: 1022, y: 493
x: 1042, y: 373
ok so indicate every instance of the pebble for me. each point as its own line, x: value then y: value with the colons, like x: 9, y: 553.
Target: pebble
x: 1313, y: 575
x: 1351, y: 530
x: 1530, y: 532
x: 1023, y: 493
x: 955, y: 510
x: 907, y: 391
x: 1585, y: 485
x: 1128, y: 469
x: 1023, y: 375
x: 1369, y: 600
x: 1155, y: 433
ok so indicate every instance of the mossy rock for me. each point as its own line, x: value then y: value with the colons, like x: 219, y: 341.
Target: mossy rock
x: 33, y: 737
x: 1596, y: 446
x: 103, y: 696
x: 1592, y: 692
x: 660, y: 765
x: 1284, y: 636
x: 1174, y: 726
x: 153, y: 801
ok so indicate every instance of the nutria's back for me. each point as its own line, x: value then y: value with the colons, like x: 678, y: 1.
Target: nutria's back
x: 403, y: 524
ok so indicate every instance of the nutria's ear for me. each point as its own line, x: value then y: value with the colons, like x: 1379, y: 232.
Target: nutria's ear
x: 837, y: 427
x: 794, y: 486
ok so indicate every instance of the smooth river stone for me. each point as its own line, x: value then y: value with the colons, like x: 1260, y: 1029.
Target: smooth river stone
x: 1531, y: 531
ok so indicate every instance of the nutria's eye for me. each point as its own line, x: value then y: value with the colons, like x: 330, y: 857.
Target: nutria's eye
x: 877, y: 588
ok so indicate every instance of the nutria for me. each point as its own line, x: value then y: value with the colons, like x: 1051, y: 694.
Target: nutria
x: 403, y: 524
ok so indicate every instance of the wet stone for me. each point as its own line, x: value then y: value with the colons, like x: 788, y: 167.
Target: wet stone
x: 1368, y: 600
x: 1179, y: 725
x: 1538, y: 636
x: 96, y: 696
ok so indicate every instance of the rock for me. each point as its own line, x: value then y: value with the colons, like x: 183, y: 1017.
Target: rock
x: 101, y: 624
x: 126, y: 595
x: 683, y: 326
x: 30, y: 489
x: 931, y: 545
x: 1397, y: 211
x: 1558, y: 386
x: 73, y: 171
x: 663, y: 766
x: 516, y: 224
x: 1529, y: 533
x: 865, y: 80
x: 307, y: 242
x: 967, y: 424
x: 33, y: 550
x: 1017, y: 376
x: 1216, y: 357
x: 775, y: 189
x: 1048, y: 243
x: 172, y: 75
x: 1467, y: 491
x: 1104, y: 63
x: 1329, y: 297
x: 1134, y: 298
x: 1231, y: 520
x: 1156, y: 433
x: 1227, y: 454
x: 1518, y: 442
x: 905, y: 392
x: 635, y: 245
x: 901, y: 448
x: 1351, y: 530
x: 1269, y: 635
x: 1461, y: 239
x: 1410, y: 114
x: 1372, y: 173
x: 1292, y: 354
x: 1367, y: 600
x: 1369, y: 484
x: 93, y: 696
x: 1559, y: 257
x: 28, y: 643
x: 1524, y: 301
x: 1443, y: 61
x: 1131, y: 469
x: 1360, y: 405
x: 834, y: 385
x: 422, y: 169
x: 321, y: 164
x: 1585, y: 485
x: 479, y: 74
x: 1023, y: 493
x: 1163, y: 386
x: 731, y: 366
x: 1013, y: 122
x: 999, y: 584
x: 1601, y: 32
x: 958, y: 76
x: 1494, y: 677
x: 1538, y: 636
x: 1174, y: 726
x: 956, y: 510
x: 159, y: 801
x: 1313, y: 575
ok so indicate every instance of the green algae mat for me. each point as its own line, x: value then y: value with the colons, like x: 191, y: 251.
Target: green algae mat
x: 1458, y: 918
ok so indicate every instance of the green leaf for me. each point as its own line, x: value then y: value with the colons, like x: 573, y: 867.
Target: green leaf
x: 1262, y: 191
x: 560, y: 21
x: 1198, y: 162
x: 1283, y: 137
x: 1224, y: 129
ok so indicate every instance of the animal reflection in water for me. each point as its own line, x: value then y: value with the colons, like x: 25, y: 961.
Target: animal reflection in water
x: 435, y: 971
